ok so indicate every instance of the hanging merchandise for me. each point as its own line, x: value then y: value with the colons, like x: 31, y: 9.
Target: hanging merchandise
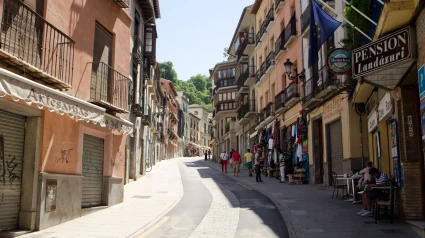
x: 270, y: 146
x: 288, y: 133
x: 305, y: 146
x: 299, y: 152
x: 306, y: 168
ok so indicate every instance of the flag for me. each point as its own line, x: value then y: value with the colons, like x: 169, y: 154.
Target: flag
x: 322, y: 26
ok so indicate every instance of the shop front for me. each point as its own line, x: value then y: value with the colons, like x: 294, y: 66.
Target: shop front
x: 393, y: 105
x: 55, y: 149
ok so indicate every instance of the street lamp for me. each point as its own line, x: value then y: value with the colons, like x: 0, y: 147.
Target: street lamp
x: 288, y: 67
x: 160, y: 112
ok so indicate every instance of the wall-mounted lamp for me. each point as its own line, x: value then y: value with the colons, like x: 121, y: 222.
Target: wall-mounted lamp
x: 288, y: 67
x: 160, y: 112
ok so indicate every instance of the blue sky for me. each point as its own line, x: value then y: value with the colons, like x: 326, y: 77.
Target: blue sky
x: 193, y: 33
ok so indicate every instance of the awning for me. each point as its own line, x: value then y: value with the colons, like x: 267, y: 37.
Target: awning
x: 119, y: 124
x: 20, y: 88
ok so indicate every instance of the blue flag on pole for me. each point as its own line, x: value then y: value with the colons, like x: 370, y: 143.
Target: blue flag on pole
x: 322, y: 26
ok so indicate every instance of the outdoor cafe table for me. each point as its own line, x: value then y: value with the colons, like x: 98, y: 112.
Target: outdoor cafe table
x: 348, y: 184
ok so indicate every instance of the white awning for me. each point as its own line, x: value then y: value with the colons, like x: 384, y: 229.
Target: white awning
x: 20, y: 88
x: 119, y: 124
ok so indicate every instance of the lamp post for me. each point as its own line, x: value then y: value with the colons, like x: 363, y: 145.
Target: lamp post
x: 288, y: 68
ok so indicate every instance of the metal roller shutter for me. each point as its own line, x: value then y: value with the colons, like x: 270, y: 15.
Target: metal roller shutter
x: 335, y: 133
x: 92, y: 171
x: 12, y: 139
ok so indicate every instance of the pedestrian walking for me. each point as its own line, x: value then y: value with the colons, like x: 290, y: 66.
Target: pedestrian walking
x: 282, y: 166
x: 248, y: 160
x: 236, y: 162
x: 223, y: 158
x: 209, y: 154
x: 257, y: 166
x: 206, y: 155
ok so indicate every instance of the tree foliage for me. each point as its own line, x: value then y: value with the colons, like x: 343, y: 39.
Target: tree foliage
x: 196, y: 88
x: 168, y: 72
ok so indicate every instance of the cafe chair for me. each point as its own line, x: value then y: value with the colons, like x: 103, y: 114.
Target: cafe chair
x: 337, y: 186
x: 387, y: 203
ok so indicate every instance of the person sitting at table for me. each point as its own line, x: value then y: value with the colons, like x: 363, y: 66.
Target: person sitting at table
x: 364, y: 180
x: 370, y: 195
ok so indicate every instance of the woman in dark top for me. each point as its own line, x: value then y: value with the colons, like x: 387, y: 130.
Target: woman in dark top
x: 206, y: 155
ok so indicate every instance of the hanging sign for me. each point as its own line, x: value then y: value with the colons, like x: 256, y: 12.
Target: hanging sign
x: 339, y: 61
x: 391, y: 50
x: 421, y: 78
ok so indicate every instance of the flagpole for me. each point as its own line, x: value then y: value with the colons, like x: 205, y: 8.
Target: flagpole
x: 351, y: 24
x: 361, y: 13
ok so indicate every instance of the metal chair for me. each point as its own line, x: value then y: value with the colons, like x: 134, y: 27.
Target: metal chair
x: 386, y: 203
x: 337, y: 186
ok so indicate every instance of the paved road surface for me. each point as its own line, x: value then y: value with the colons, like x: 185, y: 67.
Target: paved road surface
x: 214, y: 205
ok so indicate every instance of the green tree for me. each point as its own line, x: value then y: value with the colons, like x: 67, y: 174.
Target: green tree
x: 200, y: 82
x: 168, y: 72
x: 225, y: 54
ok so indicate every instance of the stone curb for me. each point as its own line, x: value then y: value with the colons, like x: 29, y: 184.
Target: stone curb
x: 284, y: 210
x: 146, y: 227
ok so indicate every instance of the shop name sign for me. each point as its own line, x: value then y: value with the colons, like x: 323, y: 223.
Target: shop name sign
x: 385, y: 107
x: 372, y: 122
x: 388, y: 51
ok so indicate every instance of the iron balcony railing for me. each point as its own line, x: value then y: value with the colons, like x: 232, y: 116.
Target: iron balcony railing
x: 280, y: 99
x: 137, y: 49
x: 246, y: 108
x: 308, y: 86
x: 261, y: 31
x: 305, y: 18
x: 280, y: 42
x: 148, y: 117
x: 109, y: 88
x: 269, y: 110
x: 242, y: 79
x: 252, y: 71
x: 270, y: 16
x: 26, y: 37
x: 262, y: 116
x: 326, y: 79
x: 270, y: 60
x: 291, y: 28
x: 292, y: 91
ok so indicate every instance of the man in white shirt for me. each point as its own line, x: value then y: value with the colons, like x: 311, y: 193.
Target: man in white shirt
x: 223, y: 158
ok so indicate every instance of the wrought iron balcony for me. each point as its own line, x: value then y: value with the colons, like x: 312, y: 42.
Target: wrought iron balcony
x: 292, y: 94
x: 308, y: 90
x: 305, y: 18
x: 109, y: 88
x: 122, y: 3
x: 246, y: 110
x: 280, y: 100
x: 290, y: 31
x: 137, y: 49
x: 147, y: 118
x: 269, y: 110
x: 35, y: 47
x: 270, y: 17
x: 261, y: 72
x: 280, y: 44
x: 270, y: 60
x: 242, y: 79
x: 244, y: 39
x: 261, y: 31
x: 262, y: 116
x: 278, y: 4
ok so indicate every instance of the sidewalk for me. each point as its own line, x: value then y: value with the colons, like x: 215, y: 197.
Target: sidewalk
x: 310, y: 211
x: 145, y: 202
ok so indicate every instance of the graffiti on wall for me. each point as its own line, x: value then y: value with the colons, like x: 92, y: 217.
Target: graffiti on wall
x: 64, y: 156
x: 7, y: 169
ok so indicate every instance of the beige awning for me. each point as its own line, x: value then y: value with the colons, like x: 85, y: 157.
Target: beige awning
x: 20, y: 88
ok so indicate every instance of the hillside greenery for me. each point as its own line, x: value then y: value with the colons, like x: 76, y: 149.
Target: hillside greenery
x: 196, y: 88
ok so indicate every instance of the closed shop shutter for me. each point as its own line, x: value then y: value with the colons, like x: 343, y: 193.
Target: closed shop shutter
x: 12, y: 137
x: 335, y: 133
x: 92, y: 171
